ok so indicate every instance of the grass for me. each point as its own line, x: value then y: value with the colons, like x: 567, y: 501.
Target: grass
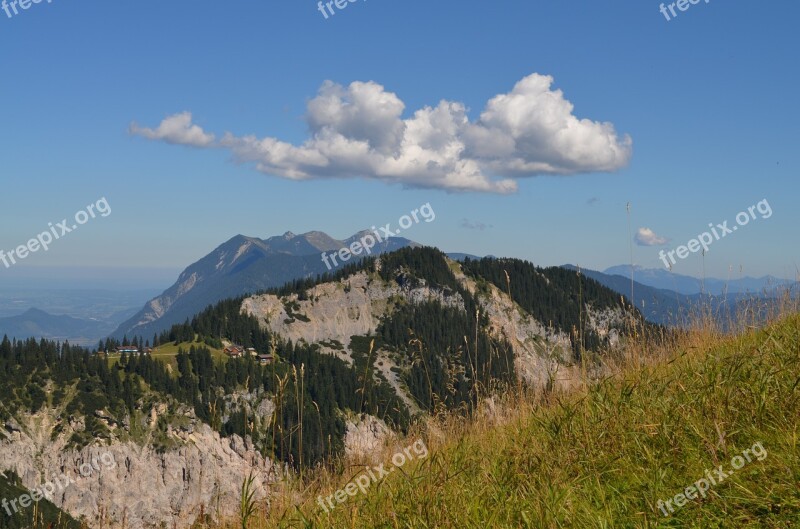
x: 601, y: 455
x: 167, y: 353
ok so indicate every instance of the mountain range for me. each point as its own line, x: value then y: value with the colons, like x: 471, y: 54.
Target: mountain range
x: 373, y: 346
x: 246, y: 265
x: 354, y: 357
x: 687, y: 285
x: 664, y: 306
x: 81, y: 316
x: 35, y: 323
x: 240, y: 266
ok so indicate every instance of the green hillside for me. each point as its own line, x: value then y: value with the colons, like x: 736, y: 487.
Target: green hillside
x: 604, y: 457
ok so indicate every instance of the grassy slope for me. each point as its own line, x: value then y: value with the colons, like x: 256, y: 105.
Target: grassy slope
x: 603, y: 458
x: 168, y: 353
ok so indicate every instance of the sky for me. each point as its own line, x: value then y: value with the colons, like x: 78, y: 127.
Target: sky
x: 527, y: 126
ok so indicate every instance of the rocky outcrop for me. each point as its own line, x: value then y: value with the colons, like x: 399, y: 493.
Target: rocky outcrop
x: 539, y: 351
x: 365, y: 439
x: 543, y: 354
x: 337, y: 311
x: 133, y: 484
x: 333, y: 312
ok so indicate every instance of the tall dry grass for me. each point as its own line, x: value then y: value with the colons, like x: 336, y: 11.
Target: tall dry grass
x: 529, y: 457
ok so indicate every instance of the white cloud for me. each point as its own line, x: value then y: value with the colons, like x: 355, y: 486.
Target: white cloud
x: 176, y: 129
x: 359, y: 131
x: 532, y: 131
x: 647, y: 237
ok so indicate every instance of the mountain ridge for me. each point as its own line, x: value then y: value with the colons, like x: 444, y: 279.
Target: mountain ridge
x: 36, y: 323
x: 688, y: 285
x: 243, y: 265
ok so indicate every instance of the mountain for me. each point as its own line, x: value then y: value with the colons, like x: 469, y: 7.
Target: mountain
x: 664, y: 279
x: 672, y: 308
x: 35, y: 323
x: 658, y: 305
x: 354, y: 357
x: 426, y: 291
x: 245, y: 265
x: 88, y: 304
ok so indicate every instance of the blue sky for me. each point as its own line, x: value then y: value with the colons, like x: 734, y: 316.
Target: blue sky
x: 708, y: 100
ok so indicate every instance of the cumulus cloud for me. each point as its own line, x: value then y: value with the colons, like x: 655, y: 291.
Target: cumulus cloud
x: 647, y: 237
x: 359, y: 131
x: 176, y: 129
x: 532, y: 131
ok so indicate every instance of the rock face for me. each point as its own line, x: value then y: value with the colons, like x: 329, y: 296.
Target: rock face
x: 337, y: 311
x: 355, y: 306
x: 538, y: 350
x: 543, y: 355
x: 126, y: 483
x: 366, y: 438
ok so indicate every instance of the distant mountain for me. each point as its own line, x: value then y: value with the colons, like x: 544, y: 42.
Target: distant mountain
x: 35, y: 323
x: 657, y: 305
x: 664, y: 279
x: 87, y: 304
x: 245, y: 265
x: 672, y: 308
